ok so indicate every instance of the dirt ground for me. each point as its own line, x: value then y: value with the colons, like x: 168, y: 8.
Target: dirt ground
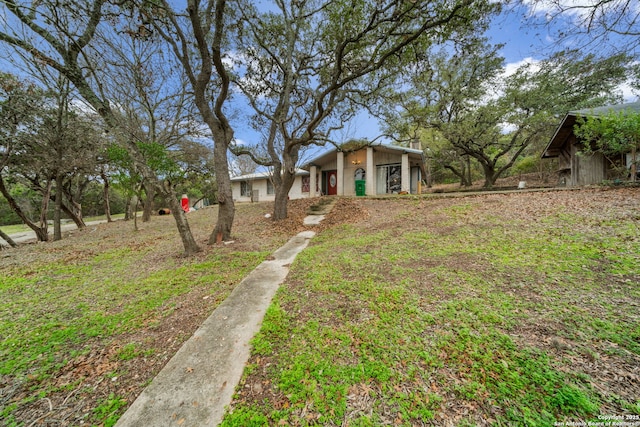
x: 83, y: 382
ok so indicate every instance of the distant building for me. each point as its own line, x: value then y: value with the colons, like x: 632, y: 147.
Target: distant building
x: 576, y: 168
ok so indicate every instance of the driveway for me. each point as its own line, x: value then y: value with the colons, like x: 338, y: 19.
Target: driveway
x: 28, y: 236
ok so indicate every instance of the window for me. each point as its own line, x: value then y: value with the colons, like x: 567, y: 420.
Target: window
x: 245, y: 189
x: 306, y: 184
x: 388, y: 179
x: 270, y: 189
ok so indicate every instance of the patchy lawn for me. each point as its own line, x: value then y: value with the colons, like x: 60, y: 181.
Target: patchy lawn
x: 86, y: 322
x: 515, y: 309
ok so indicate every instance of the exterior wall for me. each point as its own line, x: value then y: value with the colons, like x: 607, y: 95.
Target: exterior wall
x: 587, y: 169
x: 296, y: 189
x: 235, y: 191
x: 576, y: 168
x: 333, y: 164
x: 564, y: 167
x: 261, y: 186
x: 340, y: 172
x: 350, y: 177
x: 370, y: 183
x: 360, y: 157
x: 367, y: 159
x: 415, y: 180
x: 380, y: 158
x: 406, y: 184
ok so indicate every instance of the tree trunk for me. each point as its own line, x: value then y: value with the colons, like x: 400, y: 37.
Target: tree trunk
x: 148, y: 203
x: 57, y: 209
x: 41, y: 234
x: 465, y: 172
x: 280, y: 208
x: 43, y: 231
x: 73, y: 208
x: 135, y: 214
x: 469, y: 181
x: 490, y: 175
x: 73, y: 214
x: 188, y: 242
x: 634, y: 164
x: 127, y: 209
x: 105, y: 195
x: 284, y: 176
x: 8, y: 239
x: 226, y: 207
x: 459, y: 173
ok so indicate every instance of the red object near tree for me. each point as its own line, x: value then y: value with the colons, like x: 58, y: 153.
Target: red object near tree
x: 185, y: 203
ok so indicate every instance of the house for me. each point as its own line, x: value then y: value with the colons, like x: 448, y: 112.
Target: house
x: 576, y: 168
x: 258, y: 187
x: 367, y: 170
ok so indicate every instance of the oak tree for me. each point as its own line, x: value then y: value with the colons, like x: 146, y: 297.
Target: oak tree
x: 309, y: 67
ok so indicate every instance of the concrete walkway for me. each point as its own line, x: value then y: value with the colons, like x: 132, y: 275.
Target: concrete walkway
x: 198, y: 382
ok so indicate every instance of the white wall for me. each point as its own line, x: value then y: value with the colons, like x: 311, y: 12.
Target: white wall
x: 261, y: 186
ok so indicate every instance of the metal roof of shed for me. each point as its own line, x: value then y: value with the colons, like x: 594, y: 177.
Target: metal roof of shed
x: 565, y: 129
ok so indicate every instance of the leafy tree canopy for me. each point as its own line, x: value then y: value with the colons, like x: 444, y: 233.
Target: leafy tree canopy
x: 614, y: 133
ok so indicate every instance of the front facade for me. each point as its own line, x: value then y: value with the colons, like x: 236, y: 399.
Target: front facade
x: 575, y: 167
x: 258, y: 187
x: 371, y: 170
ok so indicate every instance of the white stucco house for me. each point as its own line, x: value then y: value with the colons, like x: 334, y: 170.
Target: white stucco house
x: 258, y: 187
x: 371, y: 170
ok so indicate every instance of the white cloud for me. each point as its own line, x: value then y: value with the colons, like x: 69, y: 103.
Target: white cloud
x: 512, y: 67
x: 582, y: 12
x: 628, y: 93
x: 549, y: 8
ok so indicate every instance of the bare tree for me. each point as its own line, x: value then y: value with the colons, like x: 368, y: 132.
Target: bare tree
x: 151, y: 96
x: 244, y: 165
x: 20, y: 104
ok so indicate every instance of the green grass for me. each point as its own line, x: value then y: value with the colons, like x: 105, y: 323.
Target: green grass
x: 84, y: 302
x: 441, y: 311
x: 459, y: 316
x: 63, y: 305
x: 14, y: 229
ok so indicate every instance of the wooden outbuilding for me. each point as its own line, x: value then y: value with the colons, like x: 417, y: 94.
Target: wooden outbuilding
x: 577, y: 168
